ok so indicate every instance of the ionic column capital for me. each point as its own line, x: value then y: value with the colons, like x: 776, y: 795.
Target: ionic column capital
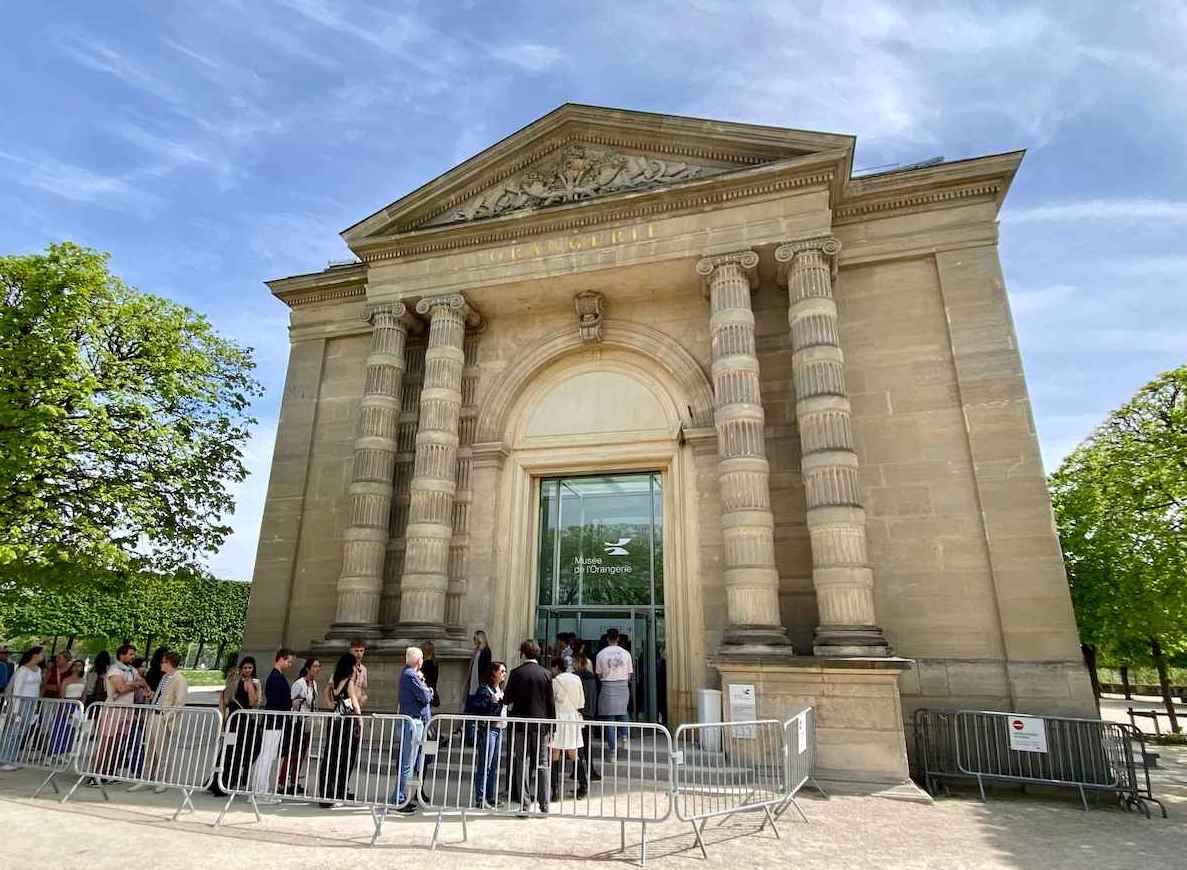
x: 828, y: 247
x: 391, y: 314
x: 450, y: 302
x: 746, y: 260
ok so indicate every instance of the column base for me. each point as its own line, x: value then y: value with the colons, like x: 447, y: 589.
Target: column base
x: 347, y: 630
x: 847, y: 641
x: 756, y: 640
x: 860, y: 736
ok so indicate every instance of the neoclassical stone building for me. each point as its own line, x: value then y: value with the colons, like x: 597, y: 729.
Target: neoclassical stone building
x: 693, y: 380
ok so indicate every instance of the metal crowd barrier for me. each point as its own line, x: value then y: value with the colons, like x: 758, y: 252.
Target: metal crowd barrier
x: 40, y: 733
x: 800, y: 739
x: 1085, y: 754
x: 145, y: 745
x: 326, y: 758
x: 725, y: 768
x: 491, y: 766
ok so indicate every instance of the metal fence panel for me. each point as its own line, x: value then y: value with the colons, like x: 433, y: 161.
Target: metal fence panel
x: 148, y: 746
x: 800, y: 739
x: 725, y: 768
x: 40, y: 733
x: 318, y: 757
x: 609, y: 771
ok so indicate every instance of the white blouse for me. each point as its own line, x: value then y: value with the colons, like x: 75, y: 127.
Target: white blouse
x: 26, y: 683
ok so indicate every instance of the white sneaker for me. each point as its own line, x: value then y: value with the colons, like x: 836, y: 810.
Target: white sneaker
x: 140, y: 786
x: 11, y: 767
x: 160, y: 789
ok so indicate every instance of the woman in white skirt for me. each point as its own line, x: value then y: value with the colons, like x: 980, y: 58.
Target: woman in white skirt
x: 569, y: 698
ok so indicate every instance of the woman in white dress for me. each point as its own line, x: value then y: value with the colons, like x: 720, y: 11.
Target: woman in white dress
x: 566, y: 739
x: 23, y: 689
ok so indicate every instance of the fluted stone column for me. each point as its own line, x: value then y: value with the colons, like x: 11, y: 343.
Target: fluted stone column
x: 365, y: 538
x: 841, y: 572
x: 430, y: 513
x: 747, y: 524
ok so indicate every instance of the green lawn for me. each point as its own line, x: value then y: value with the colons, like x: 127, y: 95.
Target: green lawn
x: 203, y: 678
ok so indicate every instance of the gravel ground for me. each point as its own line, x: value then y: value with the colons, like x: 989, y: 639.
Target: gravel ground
x: 1011, y: 831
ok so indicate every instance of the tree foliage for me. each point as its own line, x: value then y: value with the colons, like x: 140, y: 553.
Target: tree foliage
x: 123, y: 418
x: 170, y: 608
x: 1121, y: 505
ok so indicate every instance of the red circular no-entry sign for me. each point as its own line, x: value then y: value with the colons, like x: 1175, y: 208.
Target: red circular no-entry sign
x: 1016, y: 724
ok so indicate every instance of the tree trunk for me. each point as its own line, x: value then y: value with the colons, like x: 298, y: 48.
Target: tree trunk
x: 1089, y: 653
x: 1125, y: 683
x: 53, y: 650
x: 1164, y: 685
x: 69, y: 643
x: 218, y: 656
x: 148, y: 647
x: 198, y: 654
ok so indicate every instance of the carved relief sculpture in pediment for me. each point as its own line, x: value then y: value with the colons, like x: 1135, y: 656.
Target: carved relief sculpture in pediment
x: 578, y: 173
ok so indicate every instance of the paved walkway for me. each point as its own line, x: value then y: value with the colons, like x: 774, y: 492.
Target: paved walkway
x: 1010, y: 831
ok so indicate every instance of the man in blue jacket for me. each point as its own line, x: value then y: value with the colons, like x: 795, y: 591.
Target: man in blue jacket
x: 415, y: 700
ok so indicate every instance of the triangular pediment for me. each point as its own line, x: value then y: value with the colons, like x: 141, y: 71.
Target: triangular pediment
x: 586, y: 153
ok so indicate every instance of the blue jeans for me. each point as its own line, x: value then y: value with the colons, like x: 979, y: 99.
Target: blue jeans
x: 486, y: 768
x: 612, y: 733
x: 411, y: 743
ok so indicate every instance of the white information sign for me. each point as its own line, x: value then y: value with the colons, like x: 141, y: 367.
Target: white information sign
x: 743, y: 708
x: 802, y: 727
x: 1027, y: 733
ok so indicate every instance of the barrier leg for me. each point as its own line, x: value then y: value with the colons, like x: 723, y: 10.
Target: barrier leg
x: 465, y: 832
x: 377, y: 821
x: 1083, y: 799
x: 643, y: 847
x: 622, y: 836
x: 793, y: 802
x: 49, y: 780
x: 226, y: 807
x: 255, y: 807
x: 817, y: 786
x: 436, y: 831
x: 696, y: 829
x: 981, y: 786
x: 771, y: 819
x: 185, y: 802
x: 73, y: 789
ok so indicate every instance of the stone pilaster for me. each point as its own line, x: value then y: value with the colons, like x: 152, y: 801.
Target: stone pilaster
x: 841, y: 571
x: 430, y: 512
x: 747, y: 524
x: 365, y: 538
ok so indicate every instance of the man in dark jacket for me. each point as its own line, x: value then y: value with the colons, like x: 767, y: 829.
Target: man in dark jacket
x: 529, y: 696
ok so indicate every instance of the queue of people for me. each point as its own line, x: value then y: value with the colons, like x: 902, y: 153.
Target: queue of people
x: 576, y: 686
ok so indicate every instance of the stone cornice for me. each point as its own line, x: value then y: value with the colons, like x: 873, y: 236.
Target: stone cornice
x: 332, y: 285
x: 926, y: 189
x: 818, y: 170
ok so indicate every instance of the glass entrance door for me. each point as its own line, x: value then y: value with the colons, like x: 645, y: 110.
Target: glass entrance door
x: 600, y: 566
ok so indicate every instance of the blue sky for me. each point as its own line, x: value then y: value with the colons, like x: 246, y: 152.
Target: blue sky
x: 209, y: 146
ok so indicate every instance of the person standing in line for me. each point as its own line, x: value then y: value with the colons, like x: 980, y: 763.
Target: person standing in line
x: 358, y: 649
x: 416, y: 700
x: 96, y: 690
x: 342, y: 733
x: 134, y: 762
x: 241, y: 692
x: 155, y: 670
x: 583, y: 668
x: 566, y: 739
x: 529, y: 695
x: 431, y: 671
x: 480, y: 662
x: 171, y: 694
x: 614, y: 668
x: 277, y: 698
x: 62, y: 734
x: 23, y: 689
x: 54, y: 674
x: 121, y: 683
x: 302, y: 699
x: 6, y: 668
x: 488, y: 701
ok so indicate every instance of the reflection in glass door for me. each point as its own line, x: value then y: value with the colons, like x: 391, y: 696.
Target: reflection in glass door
x: 600, y: 566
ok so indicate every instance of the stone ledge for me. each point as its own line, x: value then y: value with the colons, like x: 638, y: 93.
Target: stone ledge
x: 812, y: 663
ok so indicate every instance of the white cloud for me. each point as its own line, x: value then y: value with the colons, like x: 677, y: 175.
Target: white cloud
x: 99, y: 57
x: 529, y: 56
x: 1120, y: 210
x: 73, y: 182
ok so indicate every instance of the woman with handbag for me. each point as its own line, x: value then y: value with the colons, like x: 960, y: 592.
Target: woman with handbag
x: 23, y: 689
x: 341, y: 747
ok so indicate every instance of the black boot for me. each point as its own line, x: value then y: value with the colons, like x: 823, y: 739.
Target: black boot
x: 582, y: 777
x: 554, y: 781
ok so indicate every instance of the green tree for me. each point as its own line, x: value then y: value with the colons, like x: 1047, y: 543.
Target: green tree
x: 1121, y: 505
x: 123, y: 418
